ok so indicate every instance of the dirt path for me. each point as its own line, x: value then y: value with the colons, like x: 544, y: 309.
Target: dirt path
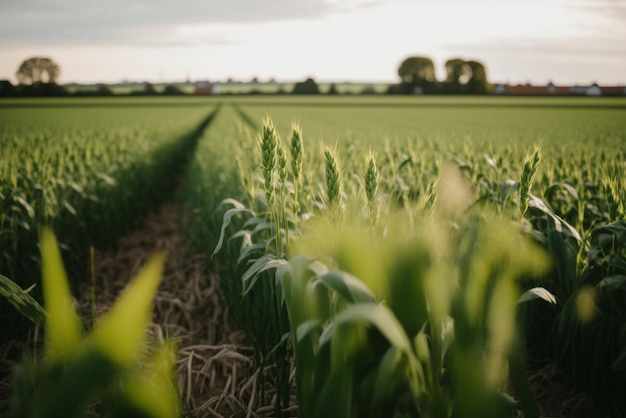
x: 216, y: 373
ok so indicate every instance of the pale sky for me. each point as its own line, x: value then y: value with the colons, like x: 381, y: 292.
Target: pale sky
x: 566, y: 41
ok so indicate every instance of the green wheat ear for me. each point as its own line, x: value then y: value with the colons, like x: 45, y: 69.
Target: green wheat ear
x: 268, y: 143
x: 528, y: 177
x: 334, y: 186
x: 282, y: 163
x: 371, y: 187
x: 296, y: 151
x: 614, y: 203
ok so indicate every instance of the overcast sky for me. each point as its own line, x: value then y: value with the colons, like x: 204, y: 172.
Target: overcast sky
x: 566, y: 41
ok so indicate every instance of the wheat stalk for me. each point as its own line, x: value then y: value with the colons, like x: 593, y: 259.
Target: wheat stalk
x: 528, y: 177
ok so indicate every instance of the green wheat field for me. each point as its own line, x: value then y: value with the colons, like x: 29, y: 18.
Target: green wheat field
x: 392, y: 256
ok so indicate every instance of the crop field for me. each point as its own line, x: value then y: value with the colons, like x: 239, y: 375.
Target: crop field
x: 384, y: 256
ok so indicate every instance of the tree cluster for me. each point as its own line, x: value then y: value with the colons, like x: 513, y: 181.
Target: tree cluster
x: 309, y: 86
x: 37, y: 77
x: 38, y: 70
x: 417, y: 76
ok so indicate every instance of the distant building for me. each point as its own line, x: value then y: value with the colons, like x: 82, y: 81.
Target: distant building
x: 203, y: 87
x: 593, y: 90
x: 527, y: 90
x: 613, y: 90
x: 499, y: 89
x: 557, y: 90
x: 553, y: 90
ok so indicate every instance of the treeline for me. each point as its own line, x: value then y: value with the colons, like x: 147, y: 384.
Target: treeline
x: 51, y: 89
x: 418, y: 76
x: 41, y: 89
x: 37, y: 78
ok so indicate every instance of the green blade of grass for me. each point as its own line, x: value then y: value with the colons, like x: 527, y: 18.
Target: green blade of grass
x: 121, y: 331
x: 22, y: 301
x: 63, y: 324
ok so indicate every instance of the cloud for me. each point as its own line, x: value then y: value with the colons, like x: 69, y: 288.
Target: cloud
x: 141, y: 21
x: 581, y: 47
x: 613, y: 10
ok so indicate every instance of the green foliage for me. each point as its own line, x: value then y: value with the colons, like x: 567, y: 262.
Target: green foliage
x: 308, y: 86
x: 32, y: 71
x: 417, y: 71
x: 90, y: 172
x: 439, y: 173
x: 106, y: 364
x: 22, y: 301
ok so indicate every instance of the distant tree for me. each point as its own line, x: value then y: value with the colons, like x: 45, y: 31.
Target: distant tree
x: 332, y: 89
x: 173, y: 90
x: 148, y: 89
x: 458, y: 75
x: 309, y: 86
x: 104, y: 90
x: 368, y: 90
x: 478, y: 83
x: 7, y: 89
x: 416, y: 73
x: 43, y: 90
x: 398, y: 89
x: 38, y: 70
x: 466, y: 77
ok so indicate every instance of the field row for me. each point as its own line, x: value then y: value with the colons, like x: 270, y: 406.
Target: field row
x: 87, y: 173
x: 427, y: 209
x: 402, y: 254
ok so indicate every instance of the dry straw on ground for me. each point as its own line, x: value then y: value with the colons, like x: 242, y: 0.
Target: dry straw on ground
x: 216, y: 373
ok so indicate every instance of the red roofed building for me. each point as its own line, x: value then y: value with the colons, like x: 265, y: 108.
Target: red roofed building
x: 553, y: 90
x: 203, y: 87
x: 613, y: 90
x: 526, y: 90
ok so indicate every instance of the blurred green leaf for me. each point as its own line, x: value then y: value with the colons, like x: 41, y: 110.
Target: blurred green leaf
x: 346, y: 285
x: 121, y: 331
x: 380, y: 317
x: 152, y: 392
x: 63, y: 325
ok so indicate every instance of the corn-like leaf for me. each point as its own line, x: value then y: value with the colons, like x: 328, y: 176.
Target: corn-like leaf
x: 537, y: 293
x: 385, y: 383
x: 382, y: 318
x: 63, y: 324
x: 559, y: 224
x: 612, y: 283
x: 306, y: 328
x: 22, y: 301
x: 121, y: 331
x: 266, y: 262
x: 239, y: 208
x: 349, y: 287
